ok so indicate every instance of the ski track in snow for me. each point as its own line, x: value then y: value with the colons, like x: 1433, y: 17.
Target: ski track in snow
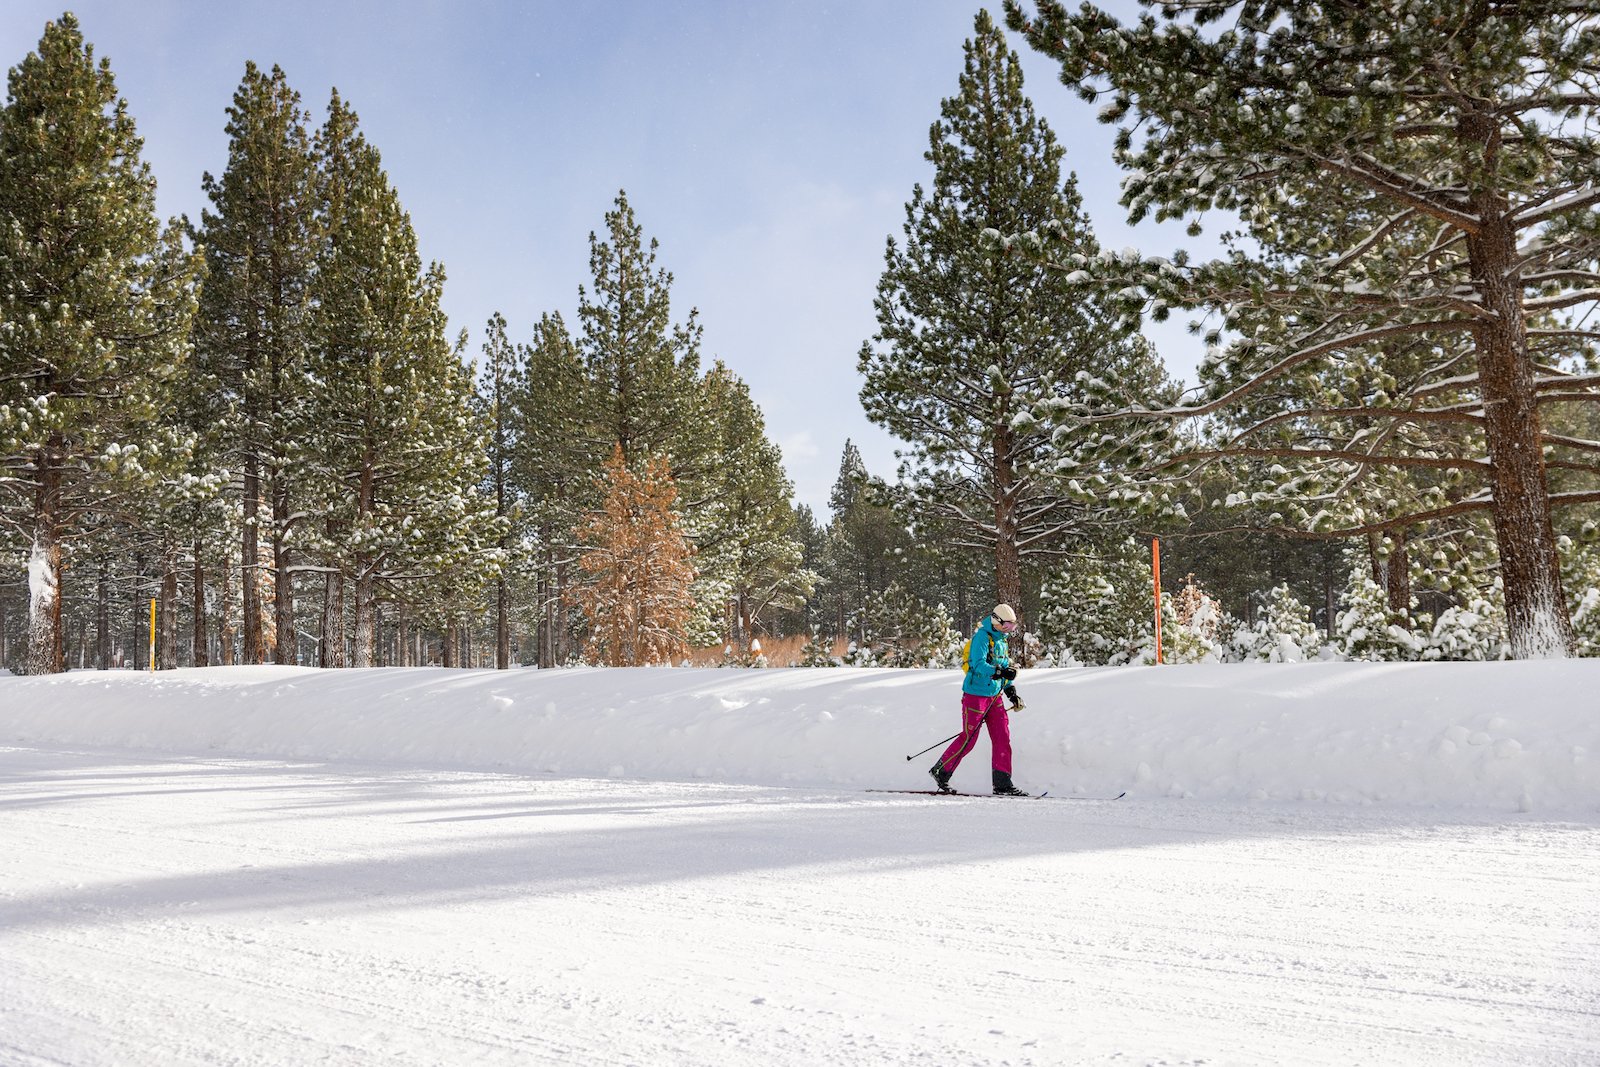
x: 174, y: 910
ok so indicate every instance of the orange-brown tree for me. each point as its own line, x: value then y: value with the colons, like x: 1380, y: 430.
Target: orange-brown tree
x: 639, y: 565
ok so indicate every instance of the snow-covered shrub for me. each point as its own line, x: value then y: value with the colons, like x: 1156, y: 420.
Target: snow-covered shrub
x: 817, y: 652
x: 1192, y: 623
x: 1586, y: 622
x: 1580, y: 577
x: 1474, y: 632
x: 932, y: 639
x: 1367, y: 630
x: 903, y: 631
x: 860, y: 656
x: 1283, y: 634
x: 1100, y: 607
x: 1055, y: 656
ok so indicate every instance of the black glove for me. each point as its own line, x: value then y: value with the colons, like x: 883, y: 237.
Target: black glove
x: 1006, y: 673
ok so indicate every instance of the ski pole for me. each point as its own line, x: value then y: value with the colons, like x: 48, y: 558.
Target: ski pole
x: 947, y: 740
x: 933, y: 746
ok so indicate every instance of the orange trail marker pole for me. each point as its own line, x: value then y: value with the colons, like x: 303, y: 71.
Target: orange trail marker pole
x: 152, y: 635
x: 1155, y: 565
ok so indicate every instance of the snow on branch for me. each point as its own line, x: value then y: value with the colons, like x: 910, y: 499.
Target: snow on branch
x: 1553, y: 303
x: 1537, y: 212
x: 1381, y: 179
x: 1332, y: 454
x: 1288, y: 363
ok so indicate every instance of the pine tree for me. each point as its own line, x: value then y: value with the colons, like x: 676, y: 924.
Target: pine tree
x: 251, y: 334
x: 818, y: 651
x: 745, y: 534
x: 866, y: 547
x: 1415, y: 181
x: 638, y: 600
x: 95, y: 305
x: 502, y: 368
x: 971, y: 343
x: 553, y: 468
x: 642, y: 369
x: 805, y: 617
x: 399, y: 449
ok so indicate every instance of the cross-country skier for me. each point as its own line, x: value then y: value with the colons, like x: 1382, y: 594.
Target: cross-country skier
x: 989, y: 673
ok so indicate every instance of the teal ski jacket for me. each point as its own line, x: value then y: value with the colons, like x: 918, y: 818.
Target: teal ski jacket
x: 987, y: 653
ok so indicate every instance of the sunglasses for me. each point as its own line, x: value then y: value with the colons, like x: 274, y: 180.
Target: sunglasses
x: 1008, y: 627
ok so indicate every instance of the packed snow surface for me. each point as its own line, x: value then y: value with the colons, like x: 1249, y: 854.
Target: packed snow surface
x: 1318, y: 863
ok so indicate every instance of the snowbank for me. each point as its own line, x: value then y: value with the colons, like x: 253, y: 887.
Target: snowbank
x: 1519, y: 735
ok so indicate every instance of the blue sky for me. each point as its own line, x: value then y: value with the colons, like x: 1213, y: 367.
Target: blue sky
x: 769, y: 146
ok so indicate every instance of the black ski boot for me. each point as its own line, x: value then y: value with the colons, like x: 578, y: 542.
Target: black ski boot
x: 941, y: 778
x: 1004, y: 788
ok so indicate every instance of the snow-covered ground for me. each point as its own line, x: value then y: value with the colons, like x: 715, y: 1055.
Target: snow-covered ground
x: 1320, y: 863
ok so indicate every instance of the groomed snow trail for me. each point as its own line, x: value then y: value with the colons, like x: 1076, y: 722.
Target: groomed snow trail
x: 162, y: 910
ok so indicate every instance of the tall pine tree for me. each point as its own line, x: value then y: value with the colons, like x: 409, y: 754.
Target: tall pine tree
x: 971, y: 341
x: 1415, y: 179
x: 251, y: 334
x: 95, y: 306
x: 642, y: 368
x: 553, y: 467
x: 398, y: 450
x: 501, y: 370
x: 745, y: 533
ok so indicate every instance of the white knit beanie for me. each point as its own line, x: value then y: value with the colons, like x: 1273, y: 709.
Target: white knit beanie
x: 1004, y: 613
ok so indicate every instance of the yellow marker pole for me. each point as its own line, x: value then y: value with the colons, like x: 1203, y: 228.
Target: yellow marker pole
x: 152, y: 635
x: 1155, y: 565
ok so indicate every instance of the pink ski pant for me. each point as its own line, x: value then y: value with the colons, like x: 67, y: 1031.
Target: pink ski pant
x: 973, y: 709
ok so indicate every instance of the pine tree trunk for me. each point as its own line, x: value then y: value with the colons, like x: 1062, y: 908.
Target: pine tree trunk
x: 283, y: 585
x: 1530, y: 569
x: 747, y: 625
x: 1397, y: 579
x: 402, y: 636
x: 254, y: 650
x: 102, y: 617
x: 331, y: 652
x: 137, y: 630
x: 325, y: 653
x: 547, y: 620
x: 366, y: 605
x: 1007, y: 563
x: 1330, y: 603
x: 225, y: 614
x: 200, y: 653
x: 44, y: 569
x: 1375, y: 558
x: 563, y: 652
x: 168, y: 614
x: 502, y: 624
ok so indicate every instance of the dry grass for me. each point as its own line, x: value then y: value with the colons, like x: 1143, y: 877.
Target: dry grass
x: 780, y: 651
